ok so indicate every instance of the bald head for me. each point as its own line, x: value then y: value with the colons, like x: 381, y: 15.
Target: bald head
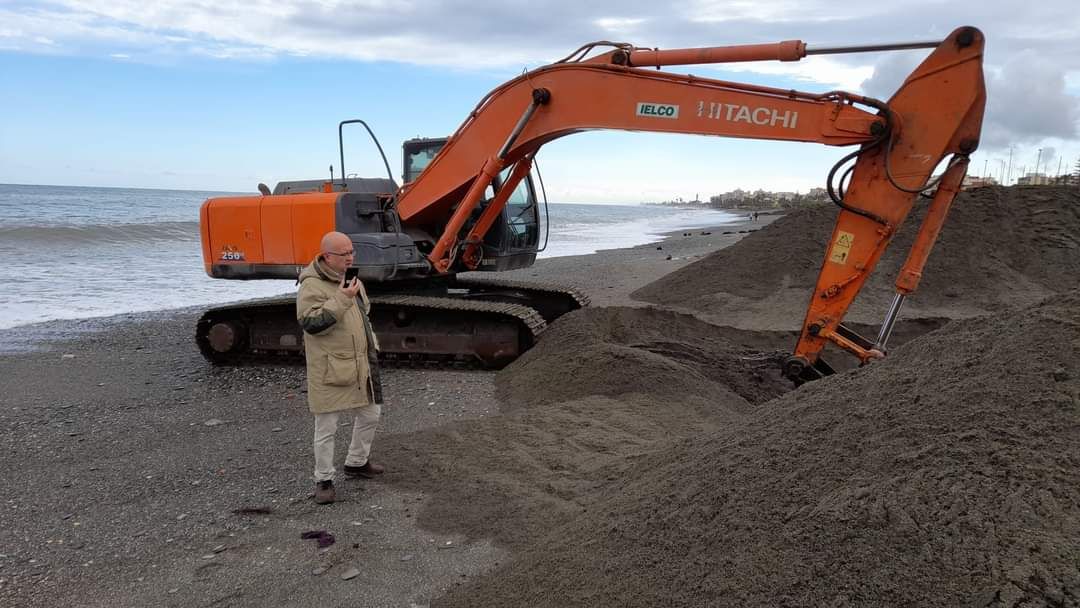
x: 335, y: 242
x: 337, y: 251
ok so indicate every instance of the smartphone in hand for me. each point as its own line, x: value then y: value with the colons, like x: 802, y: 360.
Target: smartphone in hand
x: 350, y: 274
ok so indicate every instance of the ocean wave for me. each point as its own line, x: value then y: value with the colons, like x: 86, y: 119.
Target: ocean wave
x: 102, y: 233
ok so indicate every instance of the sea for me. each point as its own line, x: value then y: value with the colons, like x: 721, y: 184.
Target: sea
x: 72, y: 252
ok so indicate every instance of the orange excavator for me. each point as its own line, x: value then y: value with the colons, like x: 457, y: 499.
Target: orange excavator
x: 468, y: 202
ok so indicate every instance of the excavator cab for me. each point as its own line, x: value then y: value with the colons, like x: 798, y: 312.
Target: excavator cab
x: 514, y: 239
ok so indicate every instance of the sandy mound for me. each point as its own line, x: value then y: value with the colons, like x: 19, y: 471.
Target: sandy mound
x: 620, y: 351
x: 999, y: 247
x: 947, y: 475
x: 563, y: 433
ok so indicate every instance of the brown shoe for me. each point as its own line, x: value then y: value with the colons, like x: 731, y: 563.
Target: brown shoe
x: 368, y: 471
x: 324, y: 492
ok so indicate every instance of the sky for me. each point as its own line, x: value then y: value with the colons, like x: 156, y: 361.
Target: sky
x: 221, y: 94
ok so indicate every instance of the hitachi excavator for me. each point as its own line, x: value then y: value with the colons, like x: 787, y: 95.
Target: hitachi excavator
x: 468, y: 202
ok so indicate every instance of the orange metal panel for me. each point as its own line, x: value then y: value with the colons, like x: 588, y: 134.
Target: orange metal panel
x: 234, y: 230
x: 277, y: 230
x: 312, y: 217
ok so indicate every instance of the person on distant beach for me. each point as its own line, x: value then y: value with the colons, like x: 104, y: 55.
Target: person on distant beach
x: 342, y: 370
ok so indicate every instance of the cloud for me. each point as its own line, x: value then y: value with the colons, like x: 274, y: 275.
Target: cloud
x: 889, y: 73
x: 1027, y: 98
x: 1032, y: 59
x: 1027, y: 102
x: 511, y: 32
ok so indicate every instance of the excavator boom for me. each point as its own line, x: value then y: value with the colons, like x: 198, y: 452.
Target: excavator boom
x: 937, y: 112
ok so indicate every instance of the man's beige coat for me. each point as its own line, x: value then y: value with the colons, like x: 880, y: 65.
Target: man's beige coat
x: 338, y: 343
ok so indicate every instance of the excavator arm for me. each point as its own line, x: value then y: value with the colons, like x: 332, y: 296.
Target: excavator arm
x: 936, y: 113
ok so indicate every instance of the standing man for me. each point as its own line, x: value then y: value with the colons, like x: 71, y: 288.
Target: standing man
x: 342, y: 375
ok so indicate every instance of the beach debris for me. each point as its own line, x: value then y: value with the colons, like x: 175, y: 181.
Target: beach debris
x: 705, y: 233
x: 276, y: 429
x: 214, y: 422
x: 659, y: 248
x: 218, y: 549
x: 324, y: 538
x: 253, y: 511
x: 321, y: 570
x: 668, y: 257
x: 407, y: 557
x: 351, y: 573
x: 67, y: 356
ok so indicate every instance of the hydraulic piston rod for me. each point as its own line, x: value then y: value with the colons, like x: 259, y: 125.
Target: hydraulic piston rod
x: 889, y: 322
x: 870, y: 48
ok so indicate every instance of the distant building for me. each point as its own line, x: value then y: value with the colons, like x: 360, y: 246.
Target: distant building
x: 974, y: 181
x: 1034, y: 179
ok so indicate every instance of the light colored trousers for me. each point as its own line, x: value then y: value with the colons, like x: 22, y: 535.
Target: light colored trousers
x: 365, y: 419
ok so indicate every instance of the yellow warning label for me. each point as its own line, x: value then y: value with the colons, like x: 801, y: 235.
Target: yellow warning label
x: 841, y: 247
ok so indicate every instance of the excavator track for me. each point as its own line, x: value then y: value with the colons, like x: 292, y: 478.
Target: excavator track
x: 427, y: 330
x: 550, y: 300
x: 413, y: 330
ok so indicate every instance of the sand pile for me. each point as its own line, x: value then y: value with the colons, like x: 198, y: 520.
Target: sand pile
x: 1000, y: 246
x: 621, y: 351
x: 604, y: 390
x: 946, y: 475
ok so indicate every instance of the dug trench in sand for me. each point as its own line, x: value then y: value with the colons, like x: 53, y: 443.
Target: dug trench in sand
x: 639, y: 460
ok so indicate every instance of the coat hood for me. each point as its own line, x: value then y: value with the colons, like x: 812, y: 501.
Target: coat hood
x: 318, y: 269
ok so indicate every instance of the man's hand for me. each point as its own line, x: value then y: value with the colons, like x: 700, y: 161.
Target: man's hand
x: 351, y: 289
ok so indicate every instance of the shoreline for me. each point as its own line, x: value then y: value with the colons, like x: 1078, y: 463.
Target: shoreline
x: 33, y: 337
